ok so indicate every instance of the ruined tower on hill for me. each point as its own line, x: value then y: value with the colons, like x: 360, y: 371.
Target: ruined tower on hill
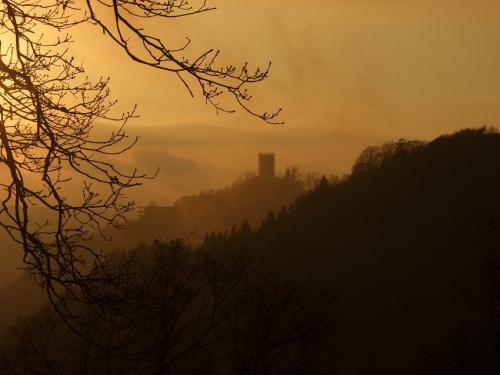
x: 266, y: 165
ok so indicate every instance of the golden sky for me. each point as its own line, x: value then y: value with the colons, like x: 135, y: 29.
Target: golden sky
x: 348, y: 73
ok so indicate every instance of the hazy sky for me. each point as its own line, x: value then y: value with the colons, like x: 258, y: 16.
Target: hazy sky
x: 347, y: 73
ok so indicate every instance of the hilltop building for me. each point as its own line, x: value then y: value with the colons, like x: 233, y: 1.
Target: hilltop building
x: 266, y: 165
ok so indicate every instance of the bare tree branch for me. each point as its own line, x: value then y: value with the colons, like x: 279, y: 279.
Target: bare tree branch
x: 48, y: 112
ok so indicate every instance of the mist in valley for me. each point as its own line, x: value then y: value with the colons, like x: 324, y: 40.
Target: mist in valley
x: 281, y: 188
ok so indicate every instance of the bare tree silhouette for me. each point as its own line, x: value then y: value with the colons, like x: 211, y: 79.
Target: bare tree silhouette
x: 183, y: 312
x: 48, y: 112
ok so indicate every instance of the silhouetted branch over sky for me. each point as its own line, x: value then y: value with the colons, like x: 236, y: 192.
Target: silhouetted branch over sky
x: 48, y: 111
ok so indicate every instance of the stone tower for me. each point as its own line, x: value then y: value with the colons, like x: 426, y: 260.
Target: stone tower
x: 266, y: 165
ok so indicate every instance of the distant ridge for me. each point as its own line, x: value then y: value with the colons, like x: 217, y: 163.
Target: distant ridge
x: 401, y: 239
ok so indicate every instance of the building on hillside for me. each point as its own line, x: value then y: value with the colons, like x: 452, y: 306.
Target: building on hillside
x: 266, y: 165
x: 154, y: 211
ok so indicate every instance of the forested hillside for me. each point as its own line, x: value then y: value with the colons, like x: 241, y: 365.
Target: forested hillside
x: 406, y: 248
x: 191, y: 217
x: 402, y: 240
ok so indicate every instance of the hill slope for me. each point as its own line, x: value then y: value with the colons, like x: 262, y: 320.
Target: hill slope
x: 190, y: 217
x: 401, y: 240
x: 193, y: 216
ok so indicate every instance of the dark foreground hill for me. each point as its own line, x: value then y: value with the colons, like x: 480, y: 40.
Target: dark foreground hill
x: 178, y: 311
x: 19, y: 296
x: 403, y: 240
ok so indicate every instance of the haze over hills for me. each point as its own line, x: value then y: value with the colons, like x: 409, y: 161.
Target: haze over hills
x: 371, y: 246
x: 192, y: 217
x: 401, y: 241
x: 194, y: 158
x: 11, y: 253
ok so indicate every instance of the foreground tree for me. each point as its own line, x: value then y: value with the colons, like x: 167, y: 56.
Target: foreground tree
x: 48, y: 110
x: 474, y: 347
x: 182, y: 312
